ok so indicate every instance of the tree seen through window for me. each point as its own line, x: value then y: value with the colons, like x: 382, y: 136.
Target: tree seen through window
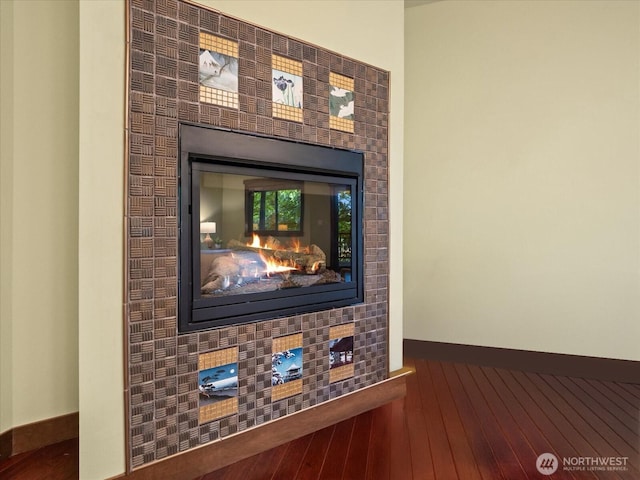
x: 277, y: 210
x: 274, y: 206
x: 344, y: 209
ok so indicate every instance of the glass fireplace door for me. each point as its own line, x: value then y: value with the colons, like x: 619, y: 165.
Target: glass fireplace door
x: 267, y: 228
x: 272, y: 233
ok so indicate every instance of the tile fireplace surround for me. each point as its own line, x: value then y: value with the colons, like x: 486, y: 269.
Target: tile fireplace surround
x: 164, y: 412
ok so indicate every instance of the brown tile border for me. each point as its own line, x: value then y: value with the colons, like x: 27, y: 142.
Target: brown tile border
x: 38, y: 434
x: 607, y: 369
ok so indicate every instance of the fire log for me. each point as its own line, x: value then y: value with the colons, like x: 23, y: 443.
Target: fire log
x: 311, y: 261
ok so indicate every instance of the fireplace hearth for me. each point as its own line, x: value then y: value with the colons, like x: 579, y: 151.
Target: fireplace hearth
x: 287, y: 224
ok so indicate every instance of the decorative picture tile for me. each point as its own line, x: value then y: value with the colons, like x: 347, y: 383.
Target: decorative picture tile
x: 287, y: 88
x: 218, y: 71
x: 341, y: 352
x: 218, y: 384
x: 341, y: 102
x: 286, y: 366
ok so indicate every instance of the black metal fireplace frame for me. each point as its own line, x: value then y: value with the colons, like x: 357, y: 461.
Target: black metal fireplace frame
x: 230, y: 150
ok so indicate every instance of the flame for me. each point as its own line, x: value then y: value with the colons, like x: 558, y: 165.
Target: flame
x: 295, y: 245
x: 276, y: 266
x: 256, y: 242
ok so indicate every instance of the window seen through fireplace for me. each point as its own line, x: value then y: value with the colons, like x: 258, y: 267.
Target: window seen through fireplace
x: 274, y: 206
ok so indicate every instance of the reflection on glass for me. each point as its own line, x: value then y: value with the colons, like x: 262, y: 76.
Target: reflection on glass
x: 278, y: 234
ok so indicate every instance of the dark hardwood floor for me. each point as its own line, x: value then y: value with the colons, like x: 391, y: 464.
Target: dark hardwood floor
x: 457, y: 421
x: 55, y: 462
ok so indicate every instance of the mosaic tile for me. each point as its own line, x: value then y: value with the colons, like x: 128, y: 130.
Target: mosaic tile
x: 287, y: 88
x: 218, y: 384
x: 218, y: 71
x: 341, y: 352
x: 167, y: 39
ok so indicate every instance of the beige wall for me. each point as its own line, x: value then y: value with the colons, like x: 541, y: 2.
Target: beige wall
x: 6, y: 214
x: 522, y: 208
x: 101, y: 169
x: 39, y: 177
x: 101, y: 193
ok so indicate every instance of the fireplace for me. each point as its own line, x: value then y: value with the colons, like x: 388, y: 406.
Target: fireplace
x: 268, y: 228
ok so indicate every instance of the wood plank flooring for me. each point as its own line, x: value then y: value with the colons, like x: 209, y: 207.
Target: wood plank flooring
x: 54, y: 462
x: 458, y: 421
